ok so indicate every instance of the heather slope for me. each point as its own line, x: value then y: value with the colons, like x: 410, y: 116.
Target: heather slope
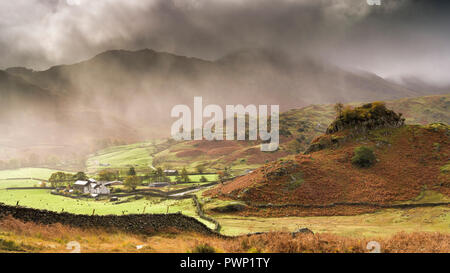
x: 409, y: 162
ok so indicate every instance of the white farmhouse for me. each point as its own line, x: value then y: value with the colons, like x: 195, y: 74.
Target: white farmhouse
x: 91, y: 187
x: 82, y: 186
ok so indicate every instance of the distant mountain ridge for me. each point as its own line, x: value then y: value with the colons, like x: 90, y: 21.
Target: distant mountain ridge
x: 264, y: 72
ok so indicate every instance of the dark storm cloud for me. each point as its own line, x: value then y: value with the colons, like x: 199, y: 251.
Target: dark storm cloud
x: 400, y: 37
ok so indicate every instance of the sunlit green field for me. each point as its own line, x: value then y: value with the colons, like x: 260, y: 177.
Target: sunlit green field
x: 137, y: 155
x: 43, y: 199
x: 197, y: 177
x: 39, y: 173
x: 27, y: 173
x: 17, y: 184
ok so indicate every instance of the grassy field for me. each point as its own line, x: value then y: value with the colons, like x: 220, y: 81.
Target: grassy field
x: 39, y: 173
x: 17, y: 236
x: 17, y: 184
x: 42, y: 199
x: 379, y: 224
x: 197, y: 177
x: 137, y: 155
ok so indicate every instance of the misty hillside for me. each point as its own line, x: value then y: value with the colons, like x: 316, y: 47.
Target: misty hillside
x: 117, y: 76
x: 129, y: 95
x: 17, y: 92
x: 298, y: 128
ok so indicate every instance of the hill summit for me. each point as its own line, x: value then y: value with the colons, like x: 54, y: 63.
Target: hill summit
x: 409, y: 167
x: 351, y: 122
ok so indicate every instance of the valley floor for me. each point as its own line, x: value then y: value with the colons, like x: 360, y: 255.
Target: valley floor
x: 410, y: 230
x: 383, y: 223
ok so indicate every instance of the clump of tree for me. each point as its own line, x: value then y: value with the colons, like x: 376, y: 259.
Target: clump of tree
x: 132, y: 182
x: 158, y: 175
x: 80, y: 176
x: 108, y: 175
x: 368, y: 116
x: 131, y: 172
x: 338, y: 107
x: 364, y: 157
x: 59, y: 179
x: 178, y: 178
x: 224, y: 175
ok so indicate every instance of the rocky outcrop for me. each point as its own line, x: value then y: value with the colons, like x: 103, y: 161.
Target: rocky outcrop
x: 354, y: 122
x: 370, y: 116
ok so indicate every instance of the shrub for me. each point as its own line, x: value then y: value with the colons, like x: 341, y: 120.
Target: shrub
x: 6, y: 245
x: 364, y: 157
x: 203, y: 248
x: 296, y: 182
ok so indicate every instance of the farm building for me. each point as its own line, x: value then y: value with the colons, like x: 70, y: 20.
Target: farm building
x: 170, y: 172
x: 158, y: 184
x: 112, y: 183
x: 91, y: 187
x: 82, y: 186
x: 98, y: 188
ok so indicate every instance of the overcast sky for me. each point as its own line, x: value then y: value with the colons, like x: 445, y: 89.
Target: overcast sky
x: 398, y: 38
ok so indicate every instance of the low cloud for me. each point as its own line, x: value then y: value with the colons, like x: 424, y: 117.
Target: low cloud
x: 407, y: 37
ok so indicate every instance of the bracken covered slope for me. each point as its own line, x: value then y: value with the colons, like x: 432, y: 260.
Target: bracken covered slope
x: 410, y: 160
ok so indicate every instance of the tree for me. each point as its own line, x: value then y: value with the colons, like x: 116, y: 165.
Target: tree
x: 221, y: 179
x: 131, y: 182
x: 178, y: 178
x: 58, y: 178
x: 80, y: 176
x: 152, y: 176
x: 185, y: 175
x: 131, y: 172
x: 107, y: 175
x: 158, y: 175
x: 224, y: 175
x: 159, y: 172
x: 338, y: 107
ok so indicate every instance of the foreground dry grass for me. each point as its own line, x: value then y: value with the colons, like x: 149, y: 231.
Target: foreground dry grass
x: 16, y: 236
